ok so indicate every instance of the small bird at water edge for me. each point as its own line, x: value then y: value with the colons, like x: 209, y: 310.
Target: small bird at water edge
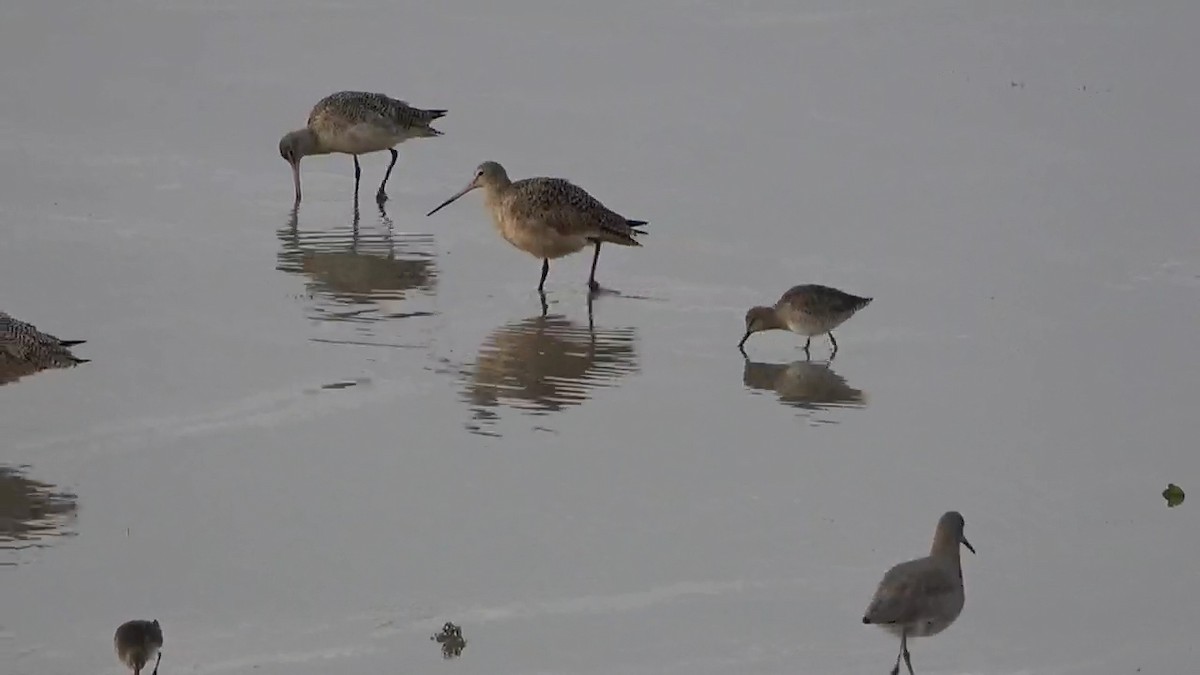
x: 136, y: 641
x: 808, y: 310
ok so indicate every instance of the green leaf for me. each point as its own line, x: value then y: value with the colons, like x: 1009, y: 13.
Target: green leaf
x: 1173, y: 494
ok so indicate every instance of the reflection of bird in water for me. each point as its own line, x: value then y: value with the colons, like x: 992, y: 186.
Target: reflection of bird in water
x: 25, y: 350
x: 803, y: 384
x: 547, y: 363
x: 31, y: 510
x: 356, y: 273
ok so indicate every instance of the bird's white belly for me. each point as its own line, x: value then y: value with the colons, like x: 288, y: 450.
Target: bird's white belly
x: 361, y: 139
x: 808, y: 325
x: 538, y: 240
x: 931, y: 624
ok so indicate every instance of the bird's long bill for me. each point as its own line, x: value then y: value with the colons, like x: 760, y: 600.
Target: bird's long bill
x: 969, y: 546
x: 470, y: 186
x: 296, y: 179
x: 743, y: 342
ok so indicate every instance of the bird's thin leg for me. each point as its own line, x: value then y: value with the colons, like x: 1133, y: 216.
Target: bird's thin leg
x: 357, y: 175
x: 156, y: 662
x: 807, y: 343
x: 896, y: 668
x: 592, y: 285
x: 545, y: 305
x: 545, y: 271
x: 834, y: 342
x: 381, y: 196
x: 907, y: 656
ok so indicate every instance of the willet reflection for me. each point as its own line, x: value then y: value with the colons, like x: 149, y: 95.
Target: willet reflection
x: 808, y: 385
x: 545, y: 364
x: 360, y: 276
x: 32, y: 513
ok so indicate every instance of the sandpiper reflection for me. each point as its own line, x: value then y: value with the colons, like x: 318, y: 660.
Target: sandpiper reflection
x: 356, y: 275
x: 809, y: 385
x: 545, y: 364
x: 32, y: 513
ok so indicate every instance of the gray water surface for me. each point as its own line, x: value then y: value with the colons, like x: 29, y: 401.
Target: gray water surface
x: 307, y: 439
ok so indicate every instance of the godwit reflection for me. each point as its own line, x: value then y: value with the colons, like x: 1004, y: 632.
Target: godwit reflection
x: 546, y: 363
x: 32, y: 513
x: 360, y: 276
x: 808, y: 385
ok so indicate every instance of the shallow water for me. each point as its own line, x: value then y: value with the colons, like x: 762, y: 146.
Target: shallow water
x: 306, y: 440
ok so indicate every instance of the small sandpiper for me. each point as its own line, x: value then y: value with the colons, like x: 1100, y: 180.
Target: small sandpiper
x: 136, y: 641
x: 808, y: 310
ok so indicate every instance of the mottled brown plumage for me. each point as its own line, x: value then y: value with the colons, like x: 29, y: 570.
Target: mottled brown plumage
x: 549, y: 217
x: 22, y: 342
x: 356, y: 123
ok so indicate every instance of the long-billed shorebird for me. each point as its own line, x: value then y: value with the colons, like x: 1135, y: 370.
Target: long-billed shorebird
x: 23, y: 342
x: 923, y: 597
x: 136, y: 642
x: 356, y: 123
x: 549, y: 217
x: 808, y: 310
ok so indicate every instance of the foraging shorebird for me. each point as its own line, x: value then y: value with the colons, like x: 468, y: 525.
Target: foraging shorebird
x: 356, y: 123
x: 549, y: 217
x: 136, y: 641
x: 807, y: 310
x: 922, y: 597
x: 23, y: 342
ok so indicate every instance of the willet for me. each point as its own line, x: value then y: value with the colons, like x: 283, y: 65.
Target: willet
x: 922, y: 597
x: 808, y: 310
x: 136, y: 641
x: 356, y: 123
x: 25, y: 343
x: 549, y: 217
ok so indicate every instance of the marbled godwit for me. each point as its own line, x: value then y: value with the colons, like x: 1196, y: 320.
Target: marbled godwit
x: 356, y: 123
x: 807, y: 310
x: 923, y: 597
x: 548, y: 217
x: 136, y: 641
x: 23, y: 342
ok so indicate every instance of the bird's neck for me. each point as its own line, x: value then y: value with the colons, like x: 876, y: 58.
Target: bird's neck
x: 311, y: 143
x: 494, y: 192
x: 946, y: 547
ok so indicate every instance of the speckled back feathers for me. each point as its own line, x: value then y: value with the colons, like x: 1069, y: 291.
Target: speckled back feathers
x: 356, y: 107
x: 22, y: 341
x: 564, y: 205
